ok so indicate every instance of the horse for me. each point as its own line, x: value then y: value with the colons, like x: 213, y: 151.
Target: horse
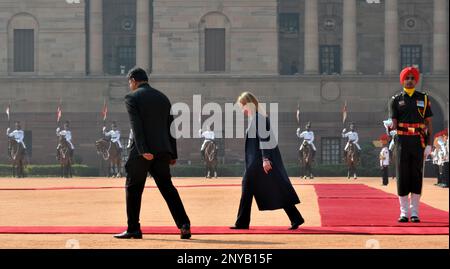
x: 112, y: 153
x: 16, y: 153
x: 210, y: 157
x: 351, y: 158
x: 64, y: 156
x: 306, y: 156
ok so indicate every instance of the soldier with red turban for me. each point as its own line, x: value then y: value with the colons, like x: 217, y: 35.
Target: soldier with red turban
x: 411, y: 114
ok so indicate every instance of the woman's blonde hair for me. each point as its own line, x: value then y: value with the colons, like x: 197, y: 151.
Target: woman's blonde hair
x: 248, y: 97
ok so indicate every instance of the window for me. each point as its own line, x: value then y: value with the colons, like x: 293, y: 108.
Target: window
x: 23, y: 50
x: 330, y: 59
x: 28, y: 140
x: 119, y: 36
x: 127, y: 58
x: 215, y: 49
x: 331, y: 150
x: 288, y: 23
x: 411, y: 55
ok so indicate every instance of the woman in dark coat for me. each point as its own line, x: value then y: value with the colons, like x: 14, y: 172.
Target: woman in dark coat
x: 265, y: 177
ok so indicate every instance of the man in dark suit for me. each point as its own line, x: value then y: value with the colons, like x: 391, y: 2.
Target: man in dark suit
x: 153, y: 149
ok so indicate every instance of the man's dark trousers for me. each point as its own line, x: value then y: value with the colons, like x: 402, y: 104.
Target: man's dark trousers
x: 137, y: 169
x: 385, y: 175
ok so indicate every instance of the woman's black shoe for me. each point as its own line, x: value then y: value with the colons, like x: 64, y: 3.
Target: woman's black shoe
x: 403, y: 219
x: 239, y: 227
x: 185, y: 231
x: 295, y: 225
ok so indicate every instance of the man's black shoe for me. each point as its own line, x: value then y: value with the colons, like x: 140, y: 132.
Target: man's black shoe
x: 239, y: 227
x: 403, y: 219
x: 129, y: 235
x: 415, y: 219
x: 185, y: 231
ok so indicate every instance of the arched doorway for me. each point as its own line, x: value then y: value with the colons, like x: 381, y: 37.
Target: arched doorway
x: 438, y: 122
x: 438, y: 119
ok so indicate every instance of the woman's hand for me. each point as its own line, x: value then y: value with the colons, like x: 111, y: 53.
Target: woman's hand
x: 267, y: 165
x: 148, y: 156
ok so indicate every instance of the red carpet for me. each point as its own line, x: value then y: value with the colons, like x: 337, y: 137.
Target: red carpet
x: 360, y: 205
x: 344, y: 209
x: 122, y: 187
x: 205, y: 230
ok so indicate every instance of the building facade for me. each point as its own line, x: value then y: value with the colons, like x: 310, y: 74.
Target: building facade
x: 313, y: 54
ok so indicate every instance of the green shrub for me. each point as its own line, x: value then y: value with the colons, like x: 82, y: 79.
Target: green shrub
x: 52, y: 170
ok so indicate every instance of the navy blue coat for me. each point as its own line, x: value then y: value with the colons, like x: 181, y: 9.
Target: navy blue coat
x: 273, y: 190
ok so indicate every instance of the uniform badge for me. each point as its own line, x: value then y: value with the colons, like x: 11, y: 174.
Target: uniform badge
x: 401, y: 103
x: 420, y: 103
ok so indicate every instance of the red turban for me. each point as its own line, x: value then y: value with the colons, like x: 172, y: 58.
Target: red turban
x: 409, y: 70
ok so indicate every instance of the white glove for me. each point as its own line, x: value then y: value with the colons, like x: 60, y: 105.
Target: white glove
x: 7, y: 130
x: 427, y: 151
x: 393, y: 132
x: 388, y: 123
x: 344, y: 130
x: 104, y: 128
x: 57, y: 130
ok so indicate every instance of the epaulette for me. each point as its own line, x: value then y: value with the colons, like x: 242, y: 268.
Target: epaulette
x: 423, y: 92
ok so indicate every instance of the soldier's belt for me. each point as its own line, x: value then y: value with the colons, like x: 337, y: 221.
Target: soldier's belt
x: 412, y: 129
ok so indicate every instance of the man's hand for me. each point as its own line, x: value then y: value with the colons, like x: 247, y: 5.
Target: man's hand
x: 173, y: 162
x: 148, y: 156
x: 7, y: 130
x: 267, y: 165
x: 427, y: 151
x: 104, y: 128
x: 344, y: 130
x: 57, y: 130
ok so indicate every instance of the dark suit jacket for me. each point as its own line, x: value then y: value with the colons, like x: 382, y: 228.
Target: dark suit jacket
x: 150, y: 118
x: 273, y: 190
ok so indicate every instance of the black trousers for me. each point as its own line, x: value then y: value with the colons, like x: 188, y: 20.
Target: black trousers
x: 444, y: 175
x: 409, y: 158
x: 245, y: 207
x: 440, y: 171
x: 137, y: 169
x: 385, y: 174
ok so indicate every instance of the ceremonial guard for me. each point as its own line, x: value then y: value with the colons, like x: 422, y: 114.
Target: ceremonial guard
x: 411, y: 115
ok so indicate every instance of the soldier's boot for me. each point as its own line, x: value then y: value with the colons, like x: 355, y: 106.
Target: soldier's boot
x: 404, y: 207
x: 415, y: 201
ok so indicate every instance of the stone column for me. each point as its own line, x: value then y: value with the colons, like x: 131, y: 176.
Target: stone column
x: 143, y: 34
x: 311, y: 37
x: 96, y: 37
x: 440, y: 37
x: 349, y: 45
x: 391, y: 43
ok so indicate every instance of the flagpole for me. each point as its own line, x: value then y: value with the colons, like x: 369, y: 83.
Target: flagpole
x: 8, y: 113
x: 104, y: 112
x: 58, y: 118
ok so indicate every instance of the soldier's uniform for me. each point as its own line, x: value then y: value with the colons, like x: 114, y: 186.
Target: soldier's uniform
x: 307, y: 136
x: 209, y: 136
x: 18, y: 135
x: 411, y: 140
x: 384, y: 164
x: 115, y: 136
x: 67, y: 134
